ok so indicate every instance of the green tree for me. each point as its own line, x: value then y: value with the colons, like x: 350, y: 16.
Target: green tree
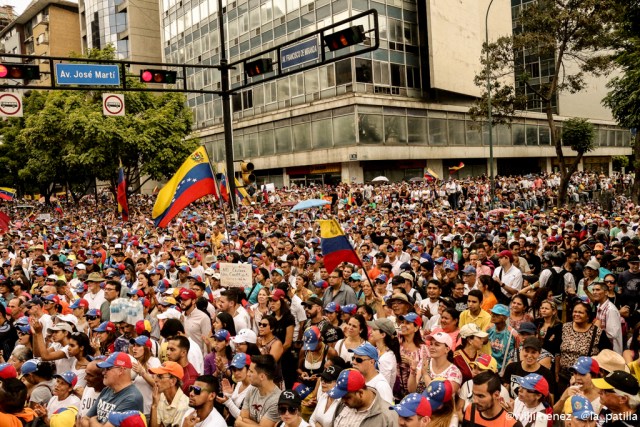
x: 624, y: 96
x: 573, y: 35
x: 68, y: 141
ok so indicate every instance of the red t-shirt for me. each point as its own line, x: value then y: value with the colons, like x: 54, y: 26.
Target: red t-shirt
x: 190, y: 375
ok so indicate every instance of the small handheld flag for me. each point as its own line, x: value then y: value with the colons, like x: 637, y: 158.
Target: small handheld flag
x: 121, y: 195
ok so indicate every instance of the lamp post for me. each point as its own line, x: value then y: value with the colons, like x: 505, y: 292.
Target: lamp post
x: 489, y: 118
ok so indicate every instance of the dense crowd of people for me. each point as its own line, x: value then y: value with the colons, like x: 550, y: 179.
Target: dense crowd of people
x: 455, y: 315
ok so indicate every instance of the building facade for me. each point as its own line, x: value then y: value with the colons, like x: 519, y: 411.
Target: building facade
x: 392, y: 112
x: 45, y: 28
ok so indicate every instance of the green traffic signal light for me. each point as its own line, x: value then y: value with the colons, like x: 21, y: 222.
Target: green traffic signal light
x: 345, y: 38
x: 158, y: 76
x: 19, y: 71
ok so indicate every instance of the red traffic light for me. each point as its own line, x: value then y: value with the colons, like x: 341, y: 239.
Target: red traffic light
x: 19, y: 71
x: 158, y: 76
x: 258, y: 67
x: 345, y: 38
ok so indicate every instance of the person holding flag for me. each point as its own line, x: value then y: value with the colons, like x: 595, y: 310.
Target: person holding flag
x: 121, y: 195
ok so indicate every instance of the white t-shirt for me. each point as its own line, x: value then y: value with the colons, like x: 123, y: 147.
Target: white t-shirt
x: 213, y: 420
x: 89, y: 396
x: 144, y: 387
x: 323, y: 415
x: 379, y: 382
x: 525, y: 415
x: 298, y: 314
x: 388, y: 367
x: 64, y: 364
x: 55, y: 404
x: 241, y: 319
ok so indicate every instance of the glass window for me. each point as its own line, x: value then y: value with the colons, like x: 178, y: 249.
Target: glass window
x: 327, y: 77
x: 343, y: 72
x: 532, y: 134
x: 254, y: 18
x: 370, y: 128
x: 266, y: 142
x: 321, y: 138
x: 364, y: 73
x: 343, y: 131
x: 302, y: 137
x: 397, y: 75
x: 543, y: 135
x: 237, y: 145
x: 437, y: 132
x: 283, y: 89
x: 251, y: 145
x: 474, y: 132
x: 417, y: 130
x: 395, y: 130
x: 381, y: 72
x: 456, y: 132
x: 311, y: 81
x: 339, y: 6
x: 283, y: 140
x: 503, y: 135
x: 518, y: 134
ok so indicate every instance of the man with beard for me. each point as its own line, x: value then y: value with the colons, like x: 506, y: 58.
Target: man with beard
x: 196, y: 323
x: 314, y: 310
x: 486, y: 410
x: 202, y: 396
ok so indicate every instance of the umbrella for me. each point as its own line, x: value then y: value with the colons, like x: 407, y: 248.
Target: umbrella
x: 380, y: 179
x: 416, y: 179
x: 311, y: 203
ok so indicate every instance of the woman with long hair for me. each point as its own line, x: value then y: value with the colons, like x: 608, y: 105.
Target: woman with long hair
x: 580, y: 337
x: 372, y: 299
x: 302, y: 287
x: 312, y: 358
x: 518, y: 311
x: 232, y: 397
x: 104, y: 338
x: 271, y: 344
x: 438, y: 365
x: 326, y: 405
x: 144, y: 281
x: 259, y: 309
x: 81, y: 351
x: 488, y: 287
x: 140, y: 349
x: 449, y: 319
x: 549, y: 325
x: 383, y: 336
x: 412, y: 348
x: 355, y: 335
x: 283, y: 329
x: 472, y: 341
x: 222, y: 353
x: 224, y: 320
x: 441, y: 396
x: 58, y: 351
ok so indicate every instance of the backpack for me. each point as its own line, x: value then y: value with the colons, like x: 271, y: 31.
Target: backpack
x: 556, y: 282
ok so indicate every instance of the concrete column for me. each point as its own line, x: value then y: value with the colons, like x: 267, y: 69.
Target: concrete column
x: 352, y: 173
x: 495, y: 165
x: 581, y: 165
x: 285, y: 178
x: 549, y: 166
x: 611, y: 166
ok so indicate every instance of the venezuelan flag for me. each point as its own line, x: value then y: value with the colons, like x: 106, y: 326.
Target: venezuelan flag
x: 430, y: 175
x: 123, y: 206
x: 7, y: 193
x: 224, y: 191
x: 335, y: 245
x: 454, y: 169
x: 192, y: 181
x: 242, y: 193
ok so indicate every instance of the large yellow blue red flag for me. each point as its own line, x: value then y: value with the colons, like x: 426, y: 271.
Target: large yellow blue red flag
x: 7, y: 193
x: 192, y: 181
x: 335, y: 245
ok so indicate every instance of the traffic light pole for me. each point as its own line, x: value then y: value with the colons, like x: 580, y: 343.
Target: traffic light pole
x: 226, y: 112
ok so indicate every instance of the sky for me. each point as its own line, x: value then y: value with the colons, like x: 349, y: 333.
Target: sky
x: 20, y: 5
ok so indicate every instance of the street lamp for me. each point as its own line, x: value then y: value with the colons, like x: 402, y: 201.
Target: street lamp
x: 489, y: 118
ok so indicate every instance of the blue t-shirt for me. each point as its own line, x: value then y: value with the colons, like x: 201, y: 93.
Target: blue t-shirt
x: 127, y: 399
x: 503, y: 342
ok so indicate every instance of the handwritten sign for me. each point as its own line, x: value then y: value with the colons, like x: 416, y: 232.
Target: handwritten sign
x: 235, y: 275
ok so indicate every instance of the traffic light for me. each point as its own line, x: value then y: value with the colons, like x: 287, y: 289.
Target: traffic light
x: 19, y: 71
x: 258, y: 67
x: 246, y: 170
x: 158, y: 76
x: 345, y: 38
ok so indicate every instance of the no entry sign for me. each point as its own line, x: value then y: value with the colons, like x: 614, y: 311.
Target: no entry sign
x: 113, y: 104
x: 10, y: 104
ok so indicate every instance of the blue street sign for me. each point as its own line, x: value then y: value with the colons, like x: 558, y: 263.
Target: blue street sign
x: 299, y: 54
x: 87, y: 74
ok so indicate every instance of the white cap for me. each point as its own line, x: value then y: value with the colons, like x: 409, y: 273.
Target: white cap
x: 171, y: 313
x: 81, y: 266
x: 245, y: 335
x: 442, y: 338
x: 209, y: 271
x: 69, y: 318
x: 118, y: 246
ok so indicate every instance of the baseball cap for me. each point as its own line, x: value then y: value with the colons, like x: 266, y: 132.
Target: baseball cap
x: 277, y: 295
x: 94, y: 312
x: 321, y: 284
x: 580, y: 407
x: 142, y: 340
x: 222, y: 335
x: 381, y: 278
x: 366, y: 349
x: 349, y: 380
x: 63, y: 417
x: 486, y: 362
x: 187, y: 294
x: 79, y: 303
x: 349, y: 309
x: 7, y: 370
x: 585, y: 365
x: 449, y: 265
x: 277, y: 271
x: 105, y: 327
x: 332, y: 307
x: 439, y: 391
x: 143, y: 326
x: 532, y: 342
x: 29, y: 367
x: 413, y: 318
x: 593, y: 264
x: 401, y: 298
x: 413, y: 404
x: 618, y: 380
x: 331, y: 373
x: 128, y: 419
x: 68, y: 377
x: 442, y: 338
x: 472, y: 330
x: 356, y: 277
x: 311, y: 338
x: 534, y: 382
x: 61, y: 326
x: 240, y: 360
x: 313, y: 301
x: 245, y: 335
x: 506, y: 253
x: 469, y: 270
x: 117, y: 359
x: 383, y: 324
x: 290, y: 398
x: 527, y: 328
x: 302, y: 389
x: 168, y: 367
x: 500, y: 310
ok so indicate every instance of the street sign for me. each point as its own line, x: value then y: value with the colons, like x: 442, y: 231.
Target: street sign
x: 113, y: 104
x: 299, y: 53
x: 87, y: 74
x: 10, y: 104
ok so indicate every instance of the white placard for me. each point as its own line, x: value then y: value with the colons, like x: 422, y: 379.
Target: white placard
x: 235, y: 275
x: 113, y: 104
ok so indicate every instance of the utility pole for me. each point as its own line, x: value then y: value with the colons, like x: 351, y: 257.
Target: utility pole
x: 489, y: 107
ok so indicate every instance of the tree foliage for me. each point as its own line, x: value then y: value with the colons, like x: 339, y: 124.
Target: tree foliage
x: 576, y: 35
x: 624, y: 96
x: 65, y: 139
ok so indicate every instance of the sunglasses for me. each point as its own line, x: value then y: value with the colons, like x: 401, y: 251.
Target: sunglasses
x: 609, y: 281
x: 284, y: 409
x: 195, y: 390
x: 263, y: 325
x: 360, y: 359
x: 90, y: 318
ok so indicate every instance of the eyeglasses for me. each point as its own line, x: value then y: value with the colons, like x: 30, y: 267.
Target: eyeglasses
x: 195, y: 390
x: 360, y: 359
x: 609, y: 281
x: 91, y: 318
x: 284, y: 409
x: 109, y: 289
x: 263, y: 325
